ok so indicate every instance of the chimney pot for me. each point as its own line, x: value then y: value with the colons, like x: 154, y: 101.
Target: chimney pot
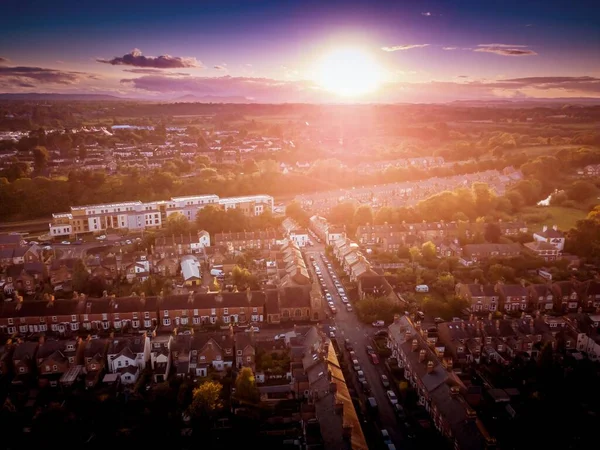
x: 430, y: 367
x: 415, y: 345
x: 422, y: 355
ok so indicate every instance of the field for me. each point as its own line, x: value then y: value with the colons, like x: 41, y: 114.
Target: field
x: 565, y: 218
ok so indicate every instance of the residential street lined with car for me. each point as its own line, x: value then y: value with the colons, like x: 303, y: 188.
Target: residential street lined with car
x: 355, y: 338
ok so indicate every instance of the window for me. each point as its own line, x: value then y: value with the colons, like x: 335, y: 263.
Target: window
x: 86, y: 317
x: 254, y: 310
x: 23, y: 329
x: 213, y: 311
x: 225, y: 311
x: 135, y: 315
x: 226, y: 319
x: 146, y: 315
x: 166, y: 313
x: 22, y: 369
x: 104, y: 316
x: 54, y: 319
x: 239, y: 352
x: 248, y: 358
x: 147, y: 323
x: 166, y: 322
x: 195, y: 312
x: 74, y: 326
x: 74, y: 318
x: 135, y: 323
x: 10, y: 321
x: 54, y: 368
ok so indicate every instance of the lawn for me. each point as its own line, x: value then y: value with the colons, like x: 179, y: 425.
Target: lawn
x: 565, y: 218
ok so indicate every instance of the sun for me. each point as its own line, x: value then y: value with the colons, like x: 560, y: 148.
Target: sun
x: 349, y: 72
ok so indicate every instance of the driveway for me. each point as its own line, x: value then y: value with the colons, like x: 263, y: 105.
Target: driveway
x: 349, y: 327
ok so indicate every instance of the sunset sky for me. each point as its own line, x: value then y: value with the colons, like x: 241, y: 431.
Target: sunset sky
x: 291, y: 51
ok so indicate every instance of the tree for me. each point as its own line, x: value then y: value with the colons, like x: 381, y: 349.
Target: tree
x: 40, y: 158
x: 81, y: 277
x: 492, y: 232
x: 245, y: 386
x: 250, y: 166
x: 201, y: 143
x: 444, y: 284
x: 363, y: 215
x: 428, y: 250
x: 206, y: 399
x: 581, y: 191
x: 295, y: 211
x: 415, y: 254
x: 177, y: 224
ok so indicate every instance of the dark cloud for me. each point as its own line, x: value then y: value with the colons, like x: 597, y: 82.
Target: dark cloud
x: 396, y: 48
x: 136, y: 59
x: 156, y: 72
x: 505, y: 49
x: 21, y: 75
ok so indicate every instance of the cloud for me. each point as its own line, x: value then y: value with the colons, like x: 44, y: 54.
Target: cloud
x: 396, y: 48
x: 449, y: 48
x: 505, y: 49
x: 220, y: 67
x: 3, y: 60
x: 136, y: 59
x: 427, y: 13
x: 24, y: 76
x: 156, y: 71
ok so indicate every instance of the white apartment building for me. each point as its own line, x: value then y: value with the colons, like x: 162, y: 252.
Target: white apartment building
x: 137, y: 215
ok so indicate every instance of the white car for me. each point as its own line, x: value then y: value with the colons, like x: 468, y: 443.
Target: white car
x: 378, y: 323
x: 392, y: 397
x: 101, y: 237
x: 252, y: 329
x: 65, y: 243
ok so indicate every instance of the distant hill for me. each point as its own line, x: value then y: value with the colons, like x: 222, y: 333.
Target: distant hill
x: 211, y: 99
x: 69, y: 97
x: 521, y: 102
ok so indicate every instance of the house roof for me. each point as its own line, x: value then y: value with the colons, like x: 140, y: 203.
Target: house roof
x: 132, y: 345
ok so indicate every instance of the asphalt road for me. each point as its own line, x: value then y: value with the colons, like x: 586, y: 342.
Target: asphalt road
x: 348, y: 327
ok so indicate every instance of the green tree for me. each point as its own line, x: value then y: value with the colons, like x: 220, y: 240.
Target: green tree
x: 363, y: 215
x: 40, y: 158
x: 206, y: 400
x: 177, y: 224
x: 428, y: 251
x: 581, y: 191
x: 245, y: 386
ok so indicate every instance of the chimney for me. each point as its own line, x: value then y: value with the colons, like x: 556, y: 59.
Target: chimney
x: 104, y: 294
x: 396, y: 318
x: 425, y: 334
x: 88, y: 307
x: 339, y: 408
x: 231, y: 330
x: 332, y: 387
x: 418, y: 325
x: 555, y: 227
x: 249, y: 295
x: 143, y: 299
x: 454, y: 391
x: 544, y: 229
x: 490, y: 316
x: 422, y: 355
x: 191, y: 297
x: 42, y: 340
x: 497, y: 325
x: 429, y: 366
x: 415, y: 345
x: 449, y: 364
x: 407, y: 336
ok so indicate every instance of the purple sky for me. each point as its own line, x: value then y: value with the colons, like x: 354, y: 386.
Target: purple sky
x: 426, y: 51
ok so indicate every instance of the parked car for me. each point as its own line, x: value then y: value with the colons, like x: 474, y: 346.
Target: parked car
x: 392, y: 397
x: 386, y: 437
x: 399, y: 411
x: 65, y: 243
x: 352, y: 355
x: 385, y: 381
x: 254, y: 329
x: 361, y: 376
x: 374, y: 358
x: 365, y: 387
x: 348, y: 345
x: 370, y: 350
x: 344, y: 299
x: 355, y: 365
x: 438, y: 320
x: 349, y: 308
x: 378, y: 323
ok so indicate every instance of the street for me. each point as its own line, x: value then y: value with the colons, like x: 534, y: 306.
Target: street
x: 349, y: 327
